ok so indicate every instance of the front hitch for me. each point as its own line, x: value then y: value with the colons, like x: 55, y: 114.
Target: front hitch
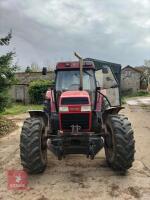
x: 81, y: 143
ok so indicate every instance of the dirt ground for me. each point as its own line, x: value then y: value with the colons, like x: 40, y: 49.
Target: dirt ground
x: 76, y: 177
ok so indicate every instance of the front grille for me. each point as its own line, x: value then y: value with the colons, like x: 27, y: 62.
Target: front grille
x: 74, y: 100
x: 82, y: 120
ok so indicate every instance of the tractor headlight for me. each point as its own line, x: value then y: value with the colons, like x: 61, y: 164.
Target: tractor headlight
x: 63, y: 109
x: 85, y: 108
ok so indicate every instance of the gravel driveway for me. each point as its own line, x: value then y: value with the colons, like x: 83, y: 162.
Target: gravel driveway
x: 76, y: 177
x: 139, y: 101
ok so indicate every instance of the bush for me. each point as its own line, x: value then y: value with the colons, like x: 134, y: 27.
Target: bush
x: 37, y: 90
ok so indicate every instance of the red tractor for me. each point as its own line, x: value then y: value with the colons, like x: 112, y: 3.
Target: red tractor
x: 80, y: 116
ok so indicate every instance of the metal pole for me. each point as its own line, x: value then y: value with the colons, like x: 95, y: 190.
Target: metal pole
x: 81, y: 70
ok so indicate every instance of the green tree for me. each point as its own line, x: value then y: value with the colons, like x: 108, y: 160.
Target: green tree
x: 28, y: 69
x: 7, y: 73
x: 147, y: 71
x: 6, y: 40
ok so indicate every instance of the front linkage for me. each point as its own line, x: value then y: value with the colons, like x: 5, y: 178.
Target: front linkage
x: 65, y: 143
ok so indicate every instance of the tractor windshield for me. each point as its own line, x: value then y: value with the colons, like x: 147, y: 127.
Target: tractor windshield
x: 70, y: 80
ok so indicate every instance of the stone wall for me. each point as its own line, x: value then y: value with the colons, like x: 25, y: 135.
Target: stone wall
x: 130, y: 80
x: 19, y: 91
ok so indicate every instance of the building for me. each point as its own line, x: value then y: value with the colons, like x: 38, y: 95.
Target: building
x: 130, y: 79
x: 19, y: 91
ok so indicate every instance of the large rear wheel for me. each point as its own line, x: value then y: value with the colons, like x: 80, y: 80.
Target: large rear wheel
x: 119, y: 143
x: 33, y: 150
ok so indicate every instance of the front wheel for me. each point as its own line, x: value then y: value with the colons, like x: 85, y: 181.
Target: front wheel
x: 119, y: 143
x: 33, y: 150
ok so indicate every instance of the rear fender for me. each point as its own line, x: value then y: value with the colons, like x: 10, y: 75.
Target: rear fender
x: 111, y: 110
x: 40, y: 113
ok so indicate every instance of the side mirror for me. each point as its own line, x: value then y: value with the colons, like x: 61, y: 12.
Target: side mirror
x: 44, y: 71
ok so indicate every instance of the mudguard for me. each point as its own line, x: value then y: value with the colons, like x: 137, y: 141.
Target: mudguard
x: 39, y: 113
x: 112, y: 110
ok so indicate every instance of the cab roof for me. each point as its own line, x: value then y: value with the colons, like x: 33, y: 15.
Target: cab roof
x: 74, y: 65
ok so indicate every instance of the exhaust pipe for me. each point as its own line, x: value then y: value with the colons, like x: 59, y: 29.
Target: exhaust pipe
x: 81, y: 70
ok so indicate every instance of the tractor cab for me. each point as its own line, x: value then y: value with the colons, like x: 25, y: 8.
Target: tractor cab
x: 68, y: 79
x: 102, y: 79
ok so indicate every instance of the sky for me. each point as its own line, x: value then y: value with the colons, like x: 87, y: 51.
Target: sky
x: 48, y: 31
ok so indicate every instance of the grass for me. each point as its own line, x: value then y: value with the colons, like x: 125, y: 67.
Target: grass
x: 137, y: 94
x: 18, y: 108
x: 6, y: 126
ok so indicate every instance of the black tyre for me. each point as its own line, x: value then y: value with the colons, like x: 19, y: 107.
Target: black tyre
x: 119, y: 144
x: 33, y: 150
